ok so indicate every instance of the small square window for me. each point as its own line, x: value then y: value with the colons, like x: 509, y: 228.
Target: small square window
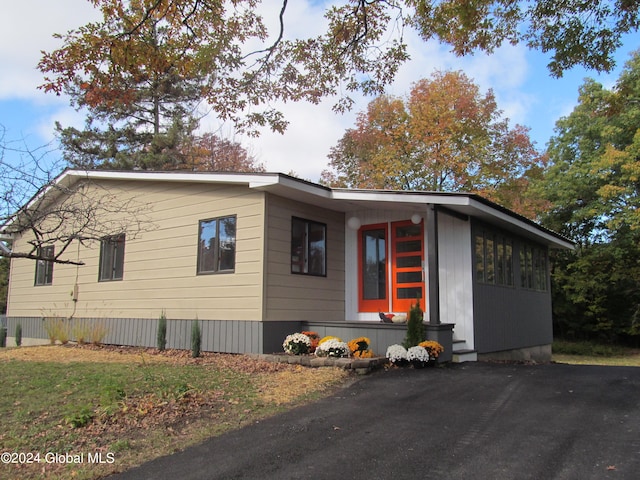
x: 308, y: 247
x: 112, y: 258
x: 217, y: 245
x: 44, y: 268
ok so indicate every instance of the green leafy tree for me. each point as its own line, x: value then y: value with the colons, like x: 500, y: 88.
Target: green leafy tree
x: 447, y: 136
x: 594, y: 189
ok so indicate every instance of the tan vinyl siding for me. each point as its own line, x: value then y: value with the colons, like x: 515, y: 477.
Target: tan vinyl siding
x: 303, y: 297
x: 160, y: 263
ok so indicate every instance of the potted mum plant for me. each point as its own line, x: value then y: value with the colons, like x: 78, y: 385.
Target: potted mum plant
x: 397, y: 355
x: 332, y: 347
x: 434, y: 349
x: 314, y: 338
x: 297, y: 344
x: 418, y: 356
x: 359, y: 347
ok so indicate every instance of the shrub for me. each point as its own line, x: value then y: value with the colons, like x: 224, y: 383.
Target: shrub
x: 162, y: 332
x: 97, y: 333
x: 57, y: 329
x: 3, y: 337
x: 18, y: 334
x: 415, y: 327
x: 196, y: 339
x: 81, y: 331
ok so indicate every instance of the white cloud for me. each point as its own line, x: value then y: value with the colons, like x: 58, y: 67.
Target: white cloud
x: 26, y: 29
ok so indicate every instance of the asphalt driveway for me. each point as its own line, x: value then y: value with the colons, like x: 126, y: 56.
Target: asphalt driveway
x: 469, y: 421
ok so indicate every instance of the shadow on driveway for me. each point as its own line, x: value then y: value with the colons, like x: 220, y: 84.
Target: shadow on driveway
x: 467, y: 421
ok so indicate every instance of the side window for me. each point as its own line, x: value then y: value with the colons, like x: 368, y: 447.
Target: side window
x: 112, y: 258
x: 533, y: 268
x: 44, y: 268
x: 493, y: 259
x: 217, y: 245
x: 308, y: 247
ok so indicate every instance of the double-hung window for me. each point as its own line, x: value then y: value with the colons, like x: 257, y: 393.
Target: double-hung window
x: 308, y: 247
x: 112, y: 258
x: 217, y: 245
x: 44, y: 268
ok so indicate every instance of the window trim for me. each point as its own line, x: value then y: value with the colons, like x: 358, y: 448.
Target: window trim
x: 115, y: 243
x: 47, y: 274
x: 217, y: 255
x: 304, y: 262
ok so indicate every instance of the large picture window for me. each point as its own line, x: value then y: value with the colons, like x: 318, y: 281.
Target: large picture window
x: 44, y: 268
x: 217, y: 245
x: 112, y: 258
x: 308, y: 247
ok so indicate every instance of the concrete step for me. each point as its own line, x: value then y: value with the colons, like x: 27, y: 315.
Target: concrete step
x: 460, y: 356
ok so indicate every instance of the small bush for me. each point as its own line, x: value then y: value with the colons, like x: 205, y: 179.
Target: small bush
x: 81, y: 331
x: 415, y: 327
x: 57, y: 329
x: 3, y: 337
x: 18, y: 334
x: 162, y: 332
x: 196, y: 339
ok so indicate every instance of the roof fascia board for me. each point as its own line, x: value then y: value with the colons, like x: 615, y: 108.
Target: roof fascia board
x: 389, y: 196
x: 257, y: 180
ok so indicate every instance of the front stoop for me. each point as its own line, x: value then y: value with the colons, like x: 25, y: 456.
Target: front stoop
x: 361, y: 366
x: 461, y: 356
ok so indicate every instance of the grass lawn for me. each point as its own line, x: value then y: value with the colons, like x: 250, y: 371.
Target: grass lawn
x: 588, y: 353
x: 127, y: 406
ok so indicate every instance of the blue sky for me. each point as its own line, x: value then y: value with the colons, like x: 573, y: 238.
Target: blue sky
x: 524, y: 90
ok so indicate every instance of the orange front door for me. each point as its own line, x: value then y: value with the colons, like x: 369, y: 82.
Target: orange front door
x: 391, y: 259
x: 407, y: 261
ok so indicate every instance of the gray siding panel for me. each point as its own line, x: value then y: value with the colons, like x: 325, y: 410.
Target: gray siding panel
x: 511, y: 317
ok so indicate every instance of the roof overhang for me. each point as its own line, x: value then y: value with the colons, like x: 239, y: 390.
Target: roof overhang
x: 343, y: 200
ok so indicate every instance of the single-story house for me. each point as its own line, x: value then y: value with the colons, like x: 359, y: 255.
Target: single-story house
x: 255, y: 257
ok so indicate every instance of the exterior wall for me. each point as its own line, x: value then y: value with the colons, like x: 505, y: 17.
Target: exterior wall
x: 297, y: 297
x: 160, y: 263
x: 511, y: 318
x: 456, y: 279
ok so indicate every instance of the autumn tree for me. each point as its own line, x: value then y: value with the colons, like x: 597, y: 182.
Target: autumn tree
x: 211, y: 153
x: 139, y: 95
x: 242, y: 69
x: 446, y: 136
x: 594, y: 188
